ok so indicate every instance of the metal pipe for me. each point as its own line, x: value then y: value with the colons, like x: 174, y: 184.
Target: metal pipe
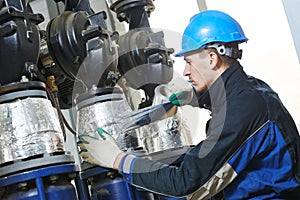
x: 40, y: 188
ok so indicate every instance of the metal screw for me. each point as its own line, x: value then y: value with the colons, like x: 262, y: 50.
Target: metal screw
x: 24, y: 79
x: 22, y: 185
x: 54, y: 178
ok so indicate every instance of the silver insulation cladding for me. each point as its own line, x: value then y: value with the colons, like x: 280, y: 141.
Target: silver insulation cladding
x: 107, y: 115
x: 168, y: 133
x: 160, y: 135
x: 165, y: 134
x: 28, y: 127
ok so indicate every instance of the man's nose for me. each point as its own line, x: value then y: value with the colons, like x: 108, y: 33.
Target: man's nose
x: 186, y: 71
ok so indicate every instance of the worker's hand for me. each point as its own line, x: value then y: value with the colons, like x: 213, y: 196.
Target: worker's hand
x: 99, y: 152
x: 180, y: 98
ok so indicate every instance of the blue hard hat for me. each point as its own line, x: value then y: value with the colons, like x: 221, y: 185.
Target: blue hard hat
x: 210, y: 26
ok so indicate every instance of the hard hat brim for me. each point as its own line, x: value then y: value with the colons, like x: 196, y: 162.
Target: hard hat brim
x: 184, y: 51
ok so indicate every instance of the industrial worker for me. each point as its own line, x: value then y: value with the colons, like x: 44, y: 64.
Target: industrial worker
x: 252, y: 148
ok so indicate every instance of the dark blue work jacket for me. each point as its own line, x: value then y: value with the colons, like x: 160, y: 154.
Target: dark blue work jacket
x: 252, y: 149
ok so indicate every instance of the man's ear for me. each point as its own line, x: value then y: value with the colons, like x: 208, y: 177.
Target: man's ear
x: 214, y: 60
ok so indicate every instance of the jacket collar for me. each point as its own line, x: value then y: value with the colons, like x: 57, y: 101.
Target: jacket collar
x: 215, y: 96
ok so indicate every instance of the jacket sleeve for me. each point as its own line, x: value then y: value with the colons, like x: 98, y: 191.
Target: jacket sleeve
x: 204, y: 168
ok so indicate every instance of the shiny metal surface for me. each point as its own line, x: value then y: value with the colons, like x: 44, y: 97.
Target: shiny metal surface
x: 165, y: 134
x: 168, y: 133
x: 28, y: 127
x: 114, y: 117
x: 110, y: 2
x: 106, y: 115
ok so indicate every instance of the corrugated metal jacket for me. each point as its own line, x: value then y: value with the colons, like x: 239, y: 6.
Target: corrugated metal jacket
x: 252, y: 149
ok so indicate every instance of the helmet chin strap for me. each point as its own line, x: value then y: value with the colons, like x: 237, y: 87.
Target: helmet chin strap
x: 233, y: 52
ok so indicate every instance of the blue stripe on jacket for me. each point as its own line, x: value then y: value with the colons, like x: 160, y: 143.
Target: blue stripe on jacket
x: 270, y: 165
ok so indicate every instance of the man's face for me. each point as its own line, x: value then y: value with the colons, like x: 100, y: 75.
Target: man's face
x: 200, y: 69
